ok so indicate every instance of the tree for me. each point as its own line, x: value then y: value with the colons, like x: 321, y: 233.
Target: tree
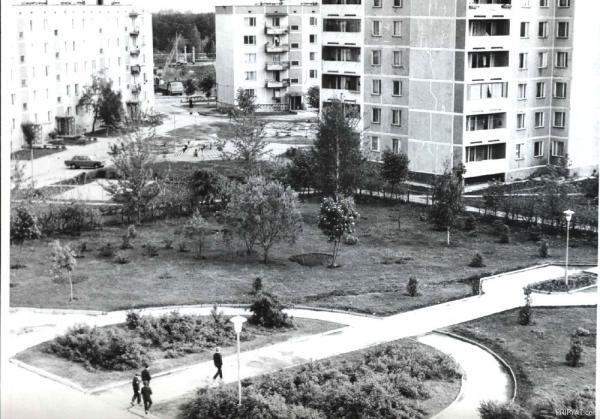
x: 190, y: 87
x: 337, y: 152
x: 245, y: 101
x: 197, y: 228
x: 247, y: 138
x: 29, y: 136
x: 63, y: 263
x: 263, y: 212
x: 300, y: 173
x: 447, y: 201
x: 23, y: 226
x: 104, y: 103
x: 135, y: 185
x: 336, y: 219
x: 207, y: 82
x: 206, y: 187
x: 312, y: 96
x: 394, y: 168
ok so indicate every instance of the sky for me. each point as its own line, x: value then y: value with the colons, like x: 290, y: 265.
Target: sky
x: 197, y: 6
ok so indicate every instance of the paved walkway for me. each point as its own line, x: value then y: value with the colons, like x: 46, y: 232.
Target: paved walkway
x: 502, y: 292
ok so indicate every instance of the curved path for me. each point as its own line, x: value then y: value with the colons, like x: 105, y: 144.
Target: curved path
x: 500, y: 293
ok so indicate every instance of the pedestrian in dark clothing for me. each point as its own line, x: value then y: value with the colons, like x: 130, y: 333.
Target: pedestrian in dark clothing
x: 185, y: 147
x: 136, y: 389
x: 218, y: 360
x: 146, y: 375
x: 146, y: 396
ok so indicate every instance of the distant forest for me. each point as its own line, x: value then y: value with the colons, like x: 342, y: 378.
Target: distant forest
x: 197, y: 29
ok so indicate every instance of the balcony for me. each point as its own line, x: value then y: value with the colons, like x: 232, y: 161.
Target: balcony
x: 486, y: 135
x: 272, y: 48
x: 134, y: 52
x: 342, y: 10
x: 136, y: 89
x: 342, y: 38
x: 276, y: 11
x: 500, y: 104
x: 135, y: 69
x: 494, y: 9
x: 485, y: 167
x: 134, y: 33
x: 341, y: 67
x: 275, y: 30
x: 487, y: 73
x: 352, y: 96
x: 133, y: 14
x: 277, y: 66
x: 276, y: 84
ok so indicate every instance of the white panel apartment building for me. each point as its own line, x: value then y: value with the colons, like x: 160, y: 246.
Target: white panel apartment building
x: 54, y: 49
x: 273, y: 50
x: 487, y: 83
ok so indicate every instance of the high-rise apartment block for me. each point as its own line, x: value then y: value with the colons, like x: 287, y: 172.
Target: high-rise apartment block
x: 501, y: 86
x: 56, y: 47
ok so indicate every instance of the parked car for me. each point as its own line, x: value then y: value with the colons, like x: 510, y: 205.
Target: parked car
x: 84, y: 162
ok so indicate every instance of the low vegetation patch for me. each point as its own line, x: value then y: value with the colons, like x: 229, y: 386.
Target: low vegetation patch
x: 580, y: 280
x: 391, y: 381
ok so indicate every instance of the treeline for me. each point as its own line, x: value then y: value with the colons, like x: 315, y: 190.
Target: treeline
x: 197, y: 30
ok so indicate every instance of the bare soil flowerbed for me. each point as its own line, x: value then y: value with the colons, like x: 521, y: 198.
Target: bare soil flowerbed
x: 576, y: 281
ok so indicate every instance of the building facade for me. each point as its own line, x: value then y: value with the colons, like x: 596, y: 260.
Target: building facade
x: 272, y: 50
x: 56, y: 47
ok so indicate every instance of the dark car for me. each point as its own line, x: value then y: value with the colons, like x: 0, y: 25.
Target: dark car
x: 84, y: 162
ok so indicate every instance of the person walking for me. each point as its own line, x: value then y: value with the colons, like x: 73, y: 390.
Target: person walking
x: 147, y: 396
x: 146, y: 375
x: 218, y: 360
x: 136, y: 389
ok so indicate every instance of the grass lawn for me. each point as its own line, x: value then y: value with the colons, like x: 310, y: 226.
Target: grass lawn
x: 442, y: 393
x: 25, y: 154
x: 372, y: 278
x: 537, y: 352
x: 76, y: 372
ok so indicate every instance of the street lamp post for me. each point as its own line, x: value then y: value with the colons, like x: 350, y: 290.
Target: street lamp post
x: 568, y: 214
x: 238, y: 321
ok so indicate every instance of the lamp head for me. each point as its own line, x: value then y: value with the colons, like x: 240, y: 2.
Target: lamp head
x: 238, y: 321
x: 568, y: 214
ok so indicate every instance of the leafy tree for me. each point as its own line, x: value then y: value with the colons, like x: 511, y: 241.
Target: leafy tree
x: 104, y: 103
x: 394, y: 168
x: 63, y: 263
x: 301, y: 170
x: 206, y: 186
x: 263, y: 212
x: 525, y: 312
x: 496, y: 410
x: 28, y: 130
x: 447, y: 201
x: 207, y: 82
x: 337, y: 152
x: 575, y: 353
x: 245, y: 101
x: 190, y: 87
x: 247, y: 139
x: 312, y: 96
x: 23, y: 226
x: 135, y: 185
x: 17, y: 176
x: 336, y: 219
x: 197, y: 228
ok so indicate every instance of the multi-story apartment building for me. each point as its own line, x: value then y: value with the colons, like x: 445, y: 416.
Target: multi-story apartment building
x: 55, y: 47
x: 272, y: 50
x: 487, y: 83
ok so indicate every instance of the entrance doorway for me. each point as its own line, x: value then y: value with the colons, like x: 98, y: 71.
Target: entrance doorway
x: 295, y: 103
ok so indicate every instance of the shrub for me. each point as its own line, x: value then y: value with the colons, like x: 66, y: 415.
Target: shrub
x: 525, y: 311
x: 544, y: 249
x: 121, y: 259
x: 471, y: 223
x: 131, y: 231
x: 126, y: 243
x: 151, y: 250
x: 257, y: 286
x: 505, y: 234
x: 477, y: 261
x: 267, y: 311
x: 495, y: 410
x: 535, y: 233
x: 350, y: 239
x: 107, y: 251
x: 133, y: 320
x: 168, y: 243
x: 80, y: 249
x: 182, y: 247
x: 99, y: 348
x: 69, y: 219
x: 475, y: 286
x: 412, y: 288
x: 574, y: 355
x: 497, y: 227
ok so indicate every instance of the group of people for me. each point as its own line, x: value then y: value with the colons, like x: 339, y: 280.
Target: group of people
x: 144, y: 393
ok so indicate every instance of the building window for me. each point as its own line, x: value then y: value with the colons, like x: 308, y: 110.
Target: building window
x: 397, y: 3
x: 560, y: 89
x: 522, y: 61
x: 249, y: 92
x: 312, y: 74
x: 562, y: 30
x: 543, y: 3
x: 538, y: 149
x: 68, y: 90
x: 59, y: 99
x: 55, y: 32
x: 374, y: 143
x: 295, y: 63
x: 313, y: 21
x: 522, y: 91
x: 542, y: 59
x: 46, y: 71
x: 57, y: 55
x: 561, y: 59
x: 22, y: 58
x: 519, y: 151
x: 76, y: 90
x: 396, y: 88
x: 564, y: 3
x: 249, y: 40
x: 478, y: 91
x: 23, y: 83
x: 397, y: 28
x: 540, y: 90
x: 24, y: 106
x: 557, y: 148
x: 376, y: 3
x: 294, y: 81
x: 524, y: 32
x: 311, y: 56
x: 12, y: 99
x: 539, y: 119
x: 250, y: 75
x: 397, y: 59
x: 543, y: 29
x: 295, y: 45
x: 250, y: 21
x: 376, y: 57
x: 20, y: 35
x: 376, y: 29
x: 396, y: 117
x: 312, y: 38
x: 376, y: 116
x: 58, y: 77
x: 525, y: 3
x: 294, y: 28
x: 521, y: 120
x: 250, y: 58
x: 559, y: 120
x: 376, y: 87
x: 395, y: 145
